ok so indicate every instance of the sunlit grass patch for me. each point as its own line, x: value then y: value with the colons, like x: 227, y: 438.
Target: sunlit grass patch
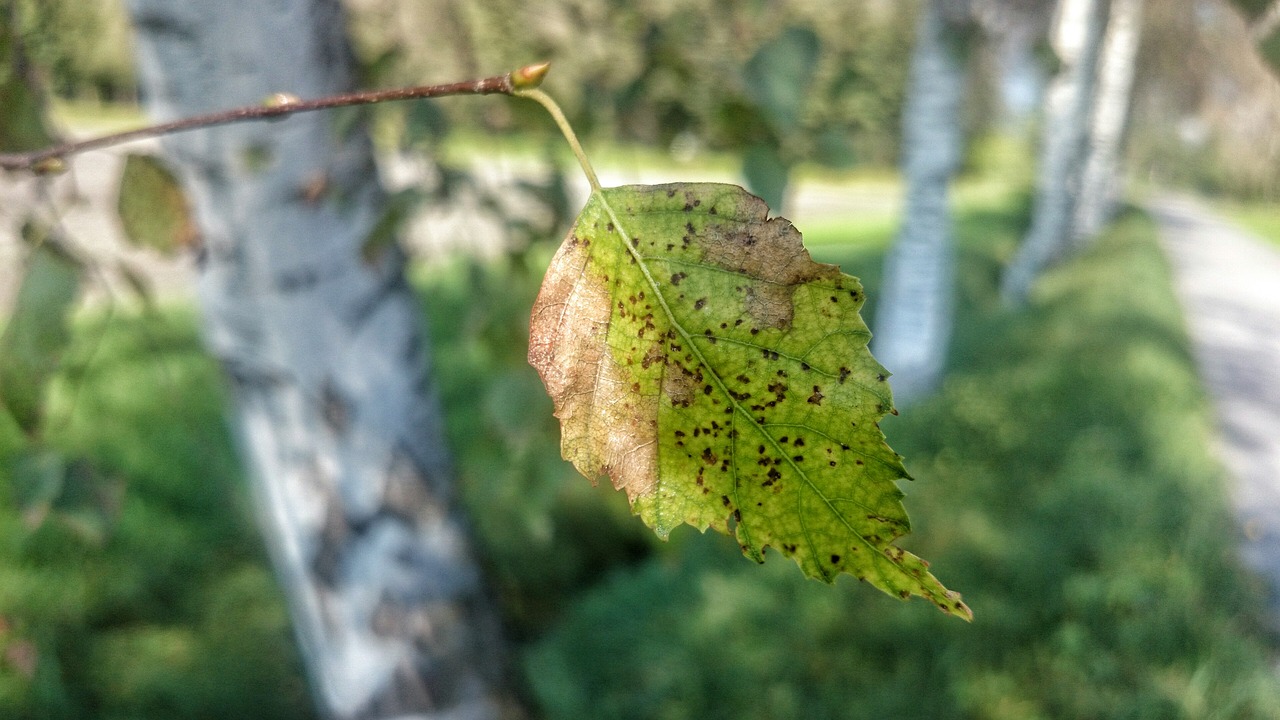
x: 146, y: 593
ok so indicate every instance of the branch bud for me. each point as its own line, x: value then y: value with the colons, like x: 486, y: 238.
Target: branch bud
x: 529, y: 76
x: 49, y: 166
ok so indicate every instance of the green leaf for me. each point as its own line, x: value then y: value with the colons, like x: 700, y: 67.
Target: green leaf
x: 37, y: 333
x: 834, y: 150
x: 779, y: 74
x: 699, y: 357
x: 153, y: 209
x: 766, y: 173
x: 382, y: 236
x: 38, y: 477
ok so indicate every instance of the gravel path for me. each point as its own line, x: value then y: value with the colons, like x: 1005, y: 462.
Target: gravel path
x: 1229, y: 284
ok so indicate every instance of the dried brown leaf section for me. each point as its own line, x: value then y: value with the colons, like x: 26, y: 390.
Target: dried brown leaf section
x: 606, y: 426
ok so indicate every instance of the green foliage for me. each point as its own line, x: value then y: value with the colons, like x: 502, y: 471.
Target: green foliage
x: 1070, y: 490
x: 22, y: 125
x: 777, y: 81
x: 143, y: 592
x: 778, y: 76
x: 655, y: 72
x: 698, y: 357
x: 766, y: 173
x: 83, y: 48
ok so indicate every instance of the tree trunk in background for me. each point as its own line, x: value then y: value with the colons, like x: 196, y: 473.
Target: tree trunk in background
x: 1101, y: 176
x: 338, y: 418
x: 914, y: 316
x: 1077, y: 37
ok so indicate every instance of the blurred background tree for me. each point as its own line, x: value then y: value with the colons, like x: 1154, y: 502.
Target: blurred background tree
x: 306, y: 307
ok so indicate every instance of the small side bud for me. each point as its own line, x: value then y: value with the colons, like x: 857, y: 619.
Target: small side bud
x: 529, y: 76
x: 49, y: 166
x: 280, y: 99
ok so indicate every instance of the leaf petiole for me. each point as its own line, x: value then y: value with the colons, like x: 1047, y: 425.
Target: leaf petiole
x: 566, y: 129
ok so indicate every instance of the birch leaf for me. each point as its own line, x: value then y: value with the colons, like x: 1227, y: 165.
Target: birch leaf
x: 153, y: 210
x: 37, y: 332
x: 703, y: 361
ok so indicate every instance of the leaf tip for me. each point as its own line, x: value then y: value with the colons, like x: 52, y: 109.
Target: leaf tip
x: 955, y: 606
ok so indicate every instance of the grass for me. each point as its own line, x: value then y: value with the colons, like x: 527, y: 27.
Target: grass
x: 145, y: 593
x: 1064, y: 485
x: 1259, y: 218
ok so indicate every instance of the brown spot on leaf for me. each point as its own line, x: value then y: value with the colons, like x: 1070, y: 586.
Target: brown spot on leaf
x: 770, y: 306
x: 678, y: 385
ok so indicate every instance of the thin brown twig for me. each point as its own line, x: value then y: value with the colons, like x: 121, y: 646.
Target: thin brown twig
x: 51, y: 159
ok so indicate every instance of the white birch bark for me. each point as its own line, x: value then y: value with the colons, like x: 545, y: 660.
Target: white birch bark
x: 1077, y: 37
x: 914, y: 317
x: 326, y: 354
x: 1100, y: 180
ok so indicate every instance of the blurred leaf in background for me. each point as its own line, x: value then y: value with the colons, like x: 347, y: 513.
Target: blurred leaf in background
x: 777, y: 80
x: 153, y: 209
x: 37, y: 333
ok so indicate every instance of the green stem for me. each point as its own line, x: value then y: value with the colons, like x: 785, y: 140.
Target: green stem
x: 545, y: 100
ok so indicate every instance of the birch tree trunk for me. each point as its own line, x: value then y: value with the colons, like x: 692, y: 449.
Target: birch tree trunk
x: 327, y: 357
x: 1098, y: 184
x: 914, y: 318
x: 1077, y: 37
